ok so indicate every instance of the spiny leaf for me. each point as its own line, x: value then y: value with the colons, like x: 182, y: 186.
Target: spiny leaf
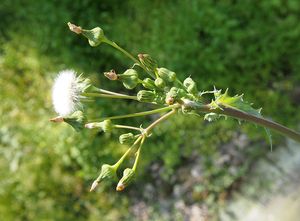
x: 235, y: 102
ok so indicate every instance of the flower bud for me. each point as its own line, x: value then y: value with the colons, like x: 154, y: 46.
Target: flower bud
x: 76, y: 120
x: 145, y: 96
x: 160, y: 83
x: 95, y: 36
x: 128, y: 176
x: 107, y: 172
x: 111, y: 75
x: 148, y: 83
x: 127, y: 139
x: 129, y: 78
x: 172, y: 95
x: 190, y: 85
x: 106, y: 126
x: 160, y: 98
x: 149, y: 63
x: 166, y: 74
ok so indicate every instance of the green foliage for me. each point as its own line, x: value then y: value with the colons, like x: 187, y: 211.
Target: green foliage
x: 249, y: 46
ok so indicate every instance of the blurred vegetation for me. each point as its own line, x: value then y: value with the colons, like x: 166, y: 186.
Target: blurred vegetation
x: 250, y: 46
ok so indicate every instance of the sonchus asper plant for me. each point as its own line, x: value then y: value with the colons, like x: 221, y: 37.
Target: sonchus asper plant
x: 161, y: 87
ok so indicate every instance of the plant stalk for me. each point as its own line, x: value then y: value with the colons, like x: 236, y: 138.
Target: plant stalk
x: 238, y: 114
x: 139, y: 114
x: 110, y: 96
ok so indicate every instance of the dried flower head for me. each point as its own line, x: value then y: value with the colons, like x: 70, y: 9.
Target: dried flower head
x: 66, y: 92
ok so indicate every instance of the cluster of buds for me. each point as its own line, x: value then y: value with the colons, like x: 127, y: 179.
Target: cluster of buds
x: 154, y: 84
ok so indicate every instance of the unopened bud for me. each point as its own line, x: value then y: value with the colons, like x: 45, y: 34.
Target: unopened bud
x: 128, y: 176
x: 160, y: 83
x: 149, y: 63
x: 129, y: 78
x: 95, y: 36
x: 107, y: 172
x: 166, y: 74
x: 111, y: 75
x: 148, y: 83
x: 106, y: 126
x: 190, y: 85
x: 76, y: 120
x: 145, y: 96
x: 172, y: 95
x: 127, y: 138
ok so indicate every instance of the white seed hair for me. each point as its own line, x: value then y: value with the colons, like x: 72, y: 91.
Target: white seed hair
x: 66, y: 93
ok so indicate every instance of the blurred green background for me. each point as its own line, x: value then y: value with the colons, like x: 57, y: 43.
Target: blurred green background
x: 250, y: 46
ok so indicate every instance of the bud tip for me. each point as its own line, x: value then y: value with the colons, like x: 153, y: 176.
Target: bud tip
x: 94, y: 185
x: 57, y: 119
x: 75, y: 28
x: 120, y: 187
x: 89, y: 126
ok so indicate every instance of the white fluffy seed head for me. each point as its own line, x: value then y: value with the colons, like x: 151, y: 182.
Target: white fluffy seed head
x: 66, y: 92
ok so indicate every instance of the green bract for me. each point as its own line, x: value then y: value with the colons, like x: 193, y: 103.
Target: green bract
x: 130, y: 78
x: 128, y: 176
x: 166, y: 74
x: 95, y: 36
x: 127, y: 138
x: 149, y: 63
x: 77, y: 120
x: 146, y: 96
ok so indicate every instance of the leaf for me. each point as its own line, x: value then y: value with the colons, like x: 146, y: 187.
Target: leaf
x: 269, y: 135
x: 235, y: 102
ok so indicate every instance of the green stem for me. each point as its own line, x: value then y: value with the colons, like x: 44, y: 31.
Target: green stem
x: 139, y: 114
x: 138, y: 154
x: 108, y: 92
x: 113, y: 44
x: 120, y: 161
x: 110, y: 96
x: 127, y: 127
x: 159, y: 120
x: 238, y: 114
x: 116, y: 46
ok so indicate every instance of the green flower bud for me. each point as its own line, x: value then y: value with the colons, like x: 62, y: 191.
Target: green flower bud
x: 145, y: 96
x: 160, y: 98
x: 166, y: 74
x: 172, y: 95
x: 128, y: 176
x: 95, y: 36
x: 107, y: 172
x: 160, y: 83
x: 129, y: 78
x: 190, y: 85
x: 127, y: 139
x: 149, y: 63
x: 106, y: 126
x: 148, y: 83
x: 76, y: 120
